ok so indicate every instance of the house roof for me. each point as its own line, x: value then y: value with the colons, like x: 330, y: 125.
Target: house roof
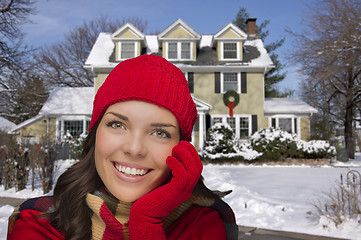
x: 255, y: 54
x: 287, y: 106
x: 69, y: 101
x: 5, y: 124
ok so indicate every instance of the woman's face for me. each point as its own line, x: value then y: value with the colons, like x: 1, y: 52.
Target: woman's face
x: 133, y: 141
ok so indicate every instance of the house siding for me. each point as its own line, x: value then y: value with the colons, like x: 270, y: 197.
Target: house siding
x: 99, y: 79
x: 305, y: 128
x: 250, y: 103
x: 38, y: 130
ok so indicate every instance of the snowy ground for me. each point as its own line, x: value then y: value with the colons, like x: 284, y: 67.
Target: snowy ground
x: 270, y: 197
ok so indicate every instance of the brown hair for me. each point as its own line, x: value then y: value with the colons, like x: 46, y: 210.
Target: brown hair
x: 71, y: 215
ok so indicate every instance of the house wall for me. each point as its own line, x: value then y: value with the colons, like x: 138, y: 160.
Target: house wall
x: 249, y: 103
x: 38, y: 130
x: 99, y: 79
x: 305, y: 128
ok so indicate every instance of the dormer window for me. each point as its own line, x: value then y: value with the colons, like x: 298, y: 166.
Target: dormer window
x: 230, y: 51
x: 127, y: 50
x: 179, y: 50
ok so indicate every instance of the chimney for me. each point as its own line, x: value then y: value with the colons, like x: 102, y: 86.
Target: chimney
x: 251, y: 27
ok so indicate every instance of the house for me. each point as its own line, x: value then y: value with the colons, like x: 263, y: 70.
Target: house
x: 225, y: 73
x: 67, y: 111
x: 230, y: 64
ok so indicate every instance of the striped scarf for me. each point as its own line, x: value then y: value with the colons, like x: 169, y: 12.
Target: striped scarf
x: 110, y: 216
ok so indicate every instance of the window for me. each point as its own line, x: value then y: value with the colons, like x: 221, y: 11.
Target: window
x: 186, y: 51
x: 243, y: 127
x: 71, y: 127
x: 286, y: 123
x: 127, y: 50
x: 240, y: 124
x: 230, y: 82
x: 217, y: 120
x: 229, y: 50
x: 74, y: 128
x: 179, y: 50
x: 232, y: 123
x: 172, y: 51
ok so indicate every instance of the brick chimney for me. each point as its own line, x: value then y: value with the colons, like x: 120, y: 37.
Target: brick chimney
x: 251, y: 27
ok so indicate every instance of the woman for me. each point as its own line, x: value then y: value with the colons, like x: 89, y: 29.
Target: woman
x: 139, y: 177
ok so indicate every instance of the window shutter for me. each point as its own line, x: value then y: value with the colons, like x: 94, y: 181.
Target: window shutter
x: 191, y: 82
x: 243, y: 82
x: 254, y: 123
x: 217, y: 82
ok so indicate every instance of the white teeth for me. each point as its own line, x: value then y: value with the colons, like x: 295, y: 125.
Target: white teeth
x: 130, y: 171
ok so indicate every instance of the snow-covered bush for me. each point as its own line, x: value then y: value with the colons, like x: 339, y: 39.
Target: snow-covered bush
x: 76, y: 144
x: 274, y: 143
x: 222, y: 145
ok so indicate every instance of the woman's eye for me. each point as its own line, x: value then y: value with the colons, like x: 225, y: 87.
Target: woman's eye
x: 115, y: 125
x: 161, y: 134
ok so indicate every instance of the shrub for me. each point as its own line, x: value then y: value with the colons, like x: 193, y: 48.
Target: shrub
x: 222, y: 145
x: 275, y: 144
x: 340, y: 204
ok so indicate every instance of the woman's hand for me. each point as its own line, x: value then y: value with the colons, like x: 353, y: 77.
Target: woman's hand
x: 147, y: 213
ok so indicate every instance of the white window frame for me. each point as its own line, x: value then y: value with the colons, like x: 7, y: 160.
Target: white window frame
x: 238, y: 58
x: 237, y: 118
x: 59, y: 133
x: 179, y: 51
x: 238, y: 90
x: 120, y: 49
x: 293, y: 117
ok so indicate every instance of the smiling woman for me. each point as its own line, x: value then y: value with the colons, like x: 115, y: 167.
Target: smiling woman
x: 139, y: 177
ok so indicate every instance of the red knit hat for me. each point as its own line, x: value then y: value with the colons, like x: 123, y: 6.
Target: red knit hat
x: 151, y: 79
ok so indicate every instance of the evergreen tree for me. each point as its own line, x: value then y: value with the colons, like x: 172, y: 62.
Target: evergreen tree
x: 275, y: 75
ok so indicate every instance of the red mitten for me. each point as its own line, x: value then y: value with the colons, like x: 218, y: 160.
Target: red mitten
x: 147, y: 213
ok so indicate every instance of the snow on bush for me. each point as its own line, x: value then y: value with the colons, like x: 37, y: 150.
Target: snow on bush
x: 268, y: 144
x: 222, y: 143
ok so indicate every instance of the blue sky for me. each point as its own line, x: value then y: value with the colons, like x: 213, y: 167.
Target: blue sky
x: 54, y: 18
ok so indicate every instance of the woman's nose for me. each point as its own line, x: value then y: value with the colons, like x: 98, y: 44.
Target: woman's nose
x: 134, y: 146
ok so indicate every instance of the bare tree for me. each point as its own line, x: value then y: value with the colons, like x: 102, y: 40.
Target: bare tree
x: 13, y: 14
x: 329, y: 53
x: 62, y: 63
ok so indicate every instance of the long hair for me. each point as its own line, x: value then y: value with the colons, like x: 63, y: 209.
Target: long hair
x: 72, y: 216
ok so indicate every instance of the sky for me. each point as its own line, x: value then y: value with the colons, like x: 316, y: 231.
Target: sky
x: 55, y: 18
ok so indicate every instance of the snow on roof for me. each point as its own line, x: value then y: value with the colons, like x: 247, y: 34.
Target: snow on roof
x: 286, y: 106
x: 206, y: 41
x: 152, y: 43
x: 101, y: 51
x: 69, y: 101
x: 6, y: 125
x: 264, y: 58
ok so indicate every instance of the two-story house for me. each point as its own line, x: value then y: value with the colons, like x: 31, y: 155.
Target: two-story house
x: 222, y: 69
x: 231, y: 59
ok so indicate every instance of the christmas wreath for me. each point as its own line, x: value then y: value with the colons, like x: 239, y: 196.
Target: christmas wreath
x: 231, y: 100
